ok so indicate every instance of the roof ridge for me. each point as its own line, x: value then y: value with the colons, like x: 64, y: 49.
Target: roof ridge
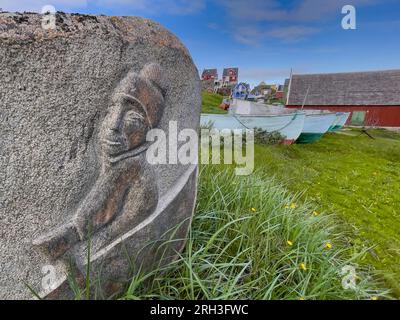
x: 347, y: 72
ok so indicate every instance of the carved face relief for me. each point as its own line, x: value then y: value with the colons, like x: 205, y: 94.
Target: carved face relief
x: 136, y: 107
x: 125, y: 126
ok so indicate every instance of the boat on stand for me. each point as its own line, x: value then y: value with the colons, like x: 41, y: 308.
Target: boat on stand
x: 245, y: 114
x: 316, y: 124
x: 341, y: 119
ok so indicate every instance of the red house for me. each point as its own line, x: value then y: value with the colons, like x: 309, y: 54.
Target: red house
x: 279, y: 95
x: 230, y: 76
x: 373, y: 98
x: 209, y: 74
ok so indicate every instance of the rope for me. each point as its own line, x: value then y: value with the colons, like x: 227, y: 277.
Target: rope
x: 284, y: 127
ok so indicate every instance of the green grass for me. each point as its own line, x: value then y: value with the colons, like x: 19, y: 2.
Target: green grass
x: 211, y: 102
x: 238, y: 247
x: 356, y: 178
x: 251, y: 235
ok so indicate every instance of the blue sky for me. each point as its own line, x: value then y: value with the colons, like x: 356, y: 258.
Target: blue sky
x: 265, y: 39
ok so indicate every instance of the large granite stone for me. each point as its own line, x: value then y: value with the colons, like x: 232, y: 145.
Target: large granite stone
x: 76, y: 103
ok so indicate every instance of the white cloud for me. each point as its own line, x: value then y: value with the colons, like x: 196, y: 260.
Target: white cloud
x: 273, y: 10
x: 252, y: 21
x: 250, y: 35
x: 255, y: 35
x: 263, y: 74
x: 37, y: 5
x: 312, y: 10
x: 213, y: 26
x: 292, y: 33
x: 254, y: 76
x: 155, y: 7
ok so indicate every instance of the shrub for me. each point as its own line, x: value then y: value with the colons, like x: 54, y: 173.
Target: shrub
x: 267, y: 138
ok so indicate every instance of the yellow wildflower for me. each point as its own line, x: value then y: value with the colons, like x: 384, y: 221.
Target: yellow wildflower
x: 293, y: 206
x: 303, y: 266
x: 374, y: 298
x: 253, y: 210
x: 290, y: 243
x: 328, y: 246
x: 302, y: 298
x: 316, y: 214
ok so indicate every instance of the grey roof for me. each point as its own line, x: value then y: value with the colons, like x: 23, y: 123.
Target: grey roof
x: 210, y: 72
x: 357, y: 88
x: 226, y: 71
x: 286, y: 86
x: 287, y: 82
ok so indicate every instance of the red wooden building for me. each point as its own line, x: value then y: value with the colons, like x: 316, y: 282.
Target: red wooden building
x: 209, y: 74
x: 230, y: 76
x: 279, y: 95
x: 373, y: 98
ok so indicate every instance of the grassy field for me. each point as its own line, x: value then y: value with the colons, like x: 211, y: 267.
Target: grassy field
x: 288, y: 230
x: 211, y: 102
x: 252, y: 239
x: 356, y: 178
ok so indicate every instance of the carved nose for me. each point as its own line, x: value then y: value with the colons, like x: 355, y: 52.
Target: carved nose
x: 115, y: 121
x: 115, y: 125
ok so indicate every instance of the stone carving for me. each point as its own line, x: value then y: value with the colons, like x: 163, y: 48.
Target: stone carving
x: 76, y: 103
x: 125, y: 192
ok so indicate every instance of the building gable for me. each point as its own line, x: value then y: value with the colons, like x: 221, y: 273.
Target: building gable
x: 360, y: 88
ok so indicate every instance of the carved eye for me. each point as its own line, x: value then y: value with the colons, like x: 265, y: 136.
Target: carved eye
x: 133, y: 116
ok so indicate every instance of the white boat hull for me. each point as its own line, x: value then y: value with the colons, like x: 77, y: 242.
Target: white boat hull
x: 343, y: 119
x: 315, y: 126
x: 220, y: 121
x: 288, y: 125
x: 318, y: 123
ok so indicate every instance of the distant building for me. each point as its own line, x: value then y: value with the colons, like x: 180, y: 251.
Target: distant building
x: 259, y: 89
x: 224, y: 86
x: 266, y: 92
x: 241, y: 91
x: 230, y: 77
x: 373, y: 98
x: 286, y: 85
x: 209, y: 74
x: 279, y: 94
x: 286, y: 89
x: 274, y: 87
